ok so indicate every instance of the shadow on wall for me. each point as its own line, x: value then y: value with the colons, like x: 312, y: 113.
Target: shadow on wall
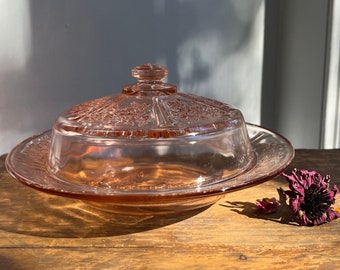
x: 82, y: 49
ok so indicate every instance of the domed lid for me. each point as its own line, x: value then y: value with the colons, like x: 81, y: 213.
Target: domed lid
x: 149, y: 109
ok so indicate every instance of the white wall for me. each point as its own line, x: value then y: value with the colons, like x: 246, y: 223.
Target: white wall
x: 55, y: 54
x: 331, y: 128
x: 295, y: 69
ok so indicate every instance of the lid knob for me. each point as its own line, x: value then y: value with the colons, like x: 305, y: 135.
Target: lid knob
x: 149, y: 77
x: 149, y: 72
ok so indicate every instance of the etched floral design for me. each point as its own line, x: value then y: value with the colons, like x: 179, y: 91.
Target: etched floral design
x: 149, y: 109
x: 109, y: 111
x: 183, y: 108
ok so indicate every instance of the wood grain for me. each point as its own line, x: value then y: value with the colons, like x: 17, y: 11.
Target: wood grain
x: 41, y: 231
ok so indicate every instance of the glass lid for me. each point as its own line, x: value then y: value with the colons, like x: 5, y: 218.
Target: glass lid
x: 150, y: 109
x: 149, y: 137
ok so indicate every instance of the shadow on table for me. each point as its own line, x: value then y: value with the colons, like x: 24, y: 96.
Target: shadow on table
x: 284, y: 214
x: 24, y: 210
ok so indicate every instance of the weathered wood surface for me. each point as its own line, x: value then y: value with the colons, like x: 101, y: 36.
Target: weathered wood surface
x: 40, y: 231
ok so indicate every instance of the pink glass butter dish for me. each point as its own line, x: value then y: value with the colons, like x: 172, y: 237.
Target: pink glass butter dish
x: 149, y: 150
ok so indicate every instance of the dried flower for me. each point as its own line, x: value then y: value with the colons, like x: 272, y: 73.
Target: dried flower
x: 267, y: 206
x: 310, y: 197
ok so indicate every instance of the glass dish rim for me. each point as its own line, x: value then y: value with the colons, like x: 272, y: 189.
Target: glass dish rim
x: 251, y: 177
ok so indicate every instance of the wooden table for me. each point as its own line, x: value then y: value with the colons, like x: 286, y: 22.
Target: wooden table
x: 40, y: 231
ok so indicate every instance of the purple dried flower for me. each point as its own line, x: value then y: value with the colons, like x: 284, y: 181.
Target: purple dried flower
x: 310, y: 197
x: 267, y: 206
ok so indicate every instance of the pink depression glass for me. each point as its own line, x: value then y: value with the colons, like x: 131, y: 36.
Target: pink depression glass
x: 149, y: 151
x: 149, y: 138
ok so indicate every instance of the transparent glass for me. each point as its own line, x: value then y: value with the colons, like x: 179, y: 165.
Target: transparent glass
x: 160, y: 164
x: 150, y: 138
x: 150, y: 150
x: 27, y: 163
